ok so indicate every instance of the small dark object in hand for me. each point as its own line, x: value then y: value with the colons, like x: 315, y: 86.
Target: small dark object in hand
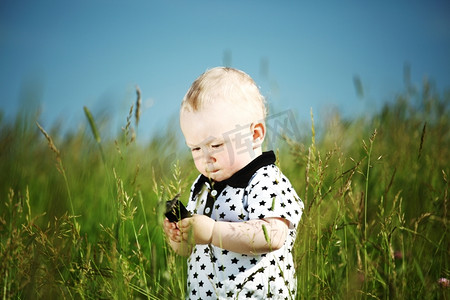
x: 175, y: 210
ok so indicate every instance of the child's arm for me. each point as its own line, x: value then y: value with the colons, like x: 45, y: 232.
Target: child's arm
x: 250, y: 237
x: 175, y: 239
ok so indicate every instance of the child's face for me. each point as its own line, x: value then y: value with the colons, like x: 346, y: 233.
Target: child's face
x: 220, y: 142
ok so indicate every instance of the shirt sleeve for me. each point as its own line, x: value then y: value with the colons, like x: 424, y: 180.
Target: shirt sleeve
x: 271, y: 194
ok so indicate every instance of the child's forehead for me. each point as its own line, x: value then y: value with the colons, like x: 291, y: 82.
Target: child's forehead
x: 206, y: 129
x: 207, y: 141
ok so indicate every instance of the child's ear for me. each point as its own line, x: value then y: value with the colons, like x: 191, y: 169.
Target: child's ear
x: 259, y: 133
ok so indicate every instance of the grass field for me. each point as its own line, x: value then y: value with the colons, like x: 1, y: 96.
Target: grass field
x: 81, y: 214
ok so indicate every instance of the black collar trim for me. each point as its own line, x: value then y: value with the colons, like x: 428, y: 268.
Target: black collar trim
x: 241, y: 178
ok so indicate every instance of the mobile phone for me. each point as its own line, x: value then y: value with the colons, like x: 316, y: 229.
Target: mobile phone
x: 175, y: 210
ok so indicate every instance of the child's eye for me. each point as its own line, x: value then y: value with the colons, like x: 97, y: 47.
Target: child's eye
x: 195, y: 149
x: 217, y: 145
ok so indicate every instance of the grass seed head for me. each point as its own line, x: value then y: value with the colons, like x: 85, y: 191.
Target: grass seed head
x: 51, y: 145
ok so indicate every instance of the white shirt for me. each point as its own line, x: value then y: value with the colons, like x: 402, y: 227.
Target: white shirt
x: 257, y: 191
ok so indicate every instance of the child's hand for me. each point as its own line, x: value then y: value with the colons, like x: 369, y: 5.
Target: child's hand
x: 172, y: 231
x: 198, y: 228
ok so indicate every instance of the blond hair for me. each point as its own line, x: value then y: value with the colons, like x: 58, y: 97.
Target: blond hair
x: 226, y: 84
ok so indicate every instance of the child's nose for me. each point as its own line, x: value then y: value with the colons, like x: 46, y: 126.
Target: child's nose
x: 208, y: 156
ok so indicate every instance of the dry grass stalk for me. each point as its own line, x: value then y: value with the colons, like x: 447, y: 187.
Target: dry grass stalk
x: 422, y: 138
x: 137, y: 113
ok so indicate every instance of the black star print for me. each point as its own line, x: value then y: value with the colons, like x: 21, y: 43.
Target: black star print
x: 261, y: 216
x: 259, y: 286
x: 234, y: 260
x: 242, y: 216
x: 200, y: 283
x: 211, y: 276
x: 273, y: 195
x: 194, y: 292
x: 217, y: 206
x: 224, y: 193
x: 282, y: 258
x: 272, y: 262
x: 230, y: 294
x: 265, y: 175
x: 264, y: 188
x: 219, y: 284
x: 197, y: 258
x: 222, y: 268
x: 206, y: 250
x: 252, y: 210
x: 195, y: 275
x: 275, y: 182
x: 232, y: 277
x: 202, y: 267
x: 241, y: 269
x: 222, y: 215
x: 238, y: 192
x: 228, y: 200
x: 262, y: 203
x: 232, y: 207
x: 209, y: 293
x: 249, y: 294
x: 225, y: 252
x: 253, y: 261
x: 213, y: 259
x: 288, y: 266
x: 271, y: 278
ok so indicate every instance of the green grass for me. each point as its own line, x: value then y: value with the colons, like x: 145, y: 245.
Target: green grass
x: 81, y: 213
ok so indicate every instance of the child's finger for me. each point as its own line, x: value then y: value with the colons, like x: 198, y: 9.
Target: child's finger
x: 184, y: 236
x: 175, y: 236
x: 167, y: 225
x: 184, y: 224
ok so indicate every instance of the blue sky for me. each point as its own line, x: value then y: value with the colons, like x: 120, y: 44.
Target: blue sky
x: 303, y: 54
